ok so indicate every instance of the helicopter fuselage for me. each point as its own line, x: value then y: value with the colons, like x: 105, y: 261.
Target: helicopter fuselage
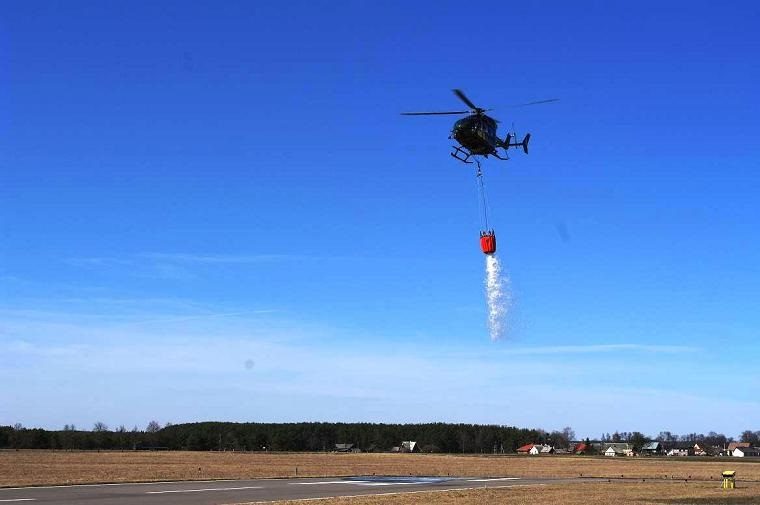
x: 477, y: 133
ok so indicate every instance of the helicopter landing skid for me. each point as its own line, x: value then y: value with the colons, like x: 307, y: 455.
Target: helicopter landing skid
x: 461, y: 154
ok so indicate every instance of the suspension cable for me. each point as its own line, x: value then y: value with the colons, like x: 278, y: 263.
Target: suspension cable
x: 482, y: 198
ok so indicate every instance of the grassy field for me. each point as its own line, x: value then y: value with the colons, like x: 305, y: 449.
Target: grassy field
x: 27, y: 468
x: 653, y: 493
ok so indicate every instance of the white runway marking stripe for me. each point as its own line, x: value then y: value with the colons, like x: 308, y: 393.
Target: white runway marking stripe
x: 316, y: 483
x: 204, y: 489
x: 358, y: 483
x: 370, y: 483
x: 494, y: 479
x: 120, y: 484
x: 18, y: 499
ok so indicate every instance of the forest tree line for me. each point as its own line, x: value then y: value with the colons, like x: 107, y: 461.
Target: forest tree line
x: 212, y: 436
x: 368, y: 437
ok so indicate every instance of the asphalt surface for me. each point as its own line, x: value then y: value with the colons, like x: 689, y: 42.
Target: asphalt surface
x: 220, y: 492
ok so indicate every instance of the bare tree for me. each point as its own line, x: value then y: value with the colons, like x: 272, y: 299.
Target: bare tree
x: 133, y: 437
x: 100, y: 427
x: 121, y: 436
x: 152, y: 427
x: 716, y: 439
x: 638, y: 439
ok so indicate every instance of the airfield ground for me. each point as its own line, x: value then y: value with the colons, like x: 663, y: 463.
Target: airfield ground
x: 629, y: 493
x: 644, y: 480
x: 29, y: 468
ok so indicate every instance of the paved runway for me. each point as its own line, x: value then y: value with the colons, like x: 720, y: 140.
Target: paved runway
x: 219, y: 492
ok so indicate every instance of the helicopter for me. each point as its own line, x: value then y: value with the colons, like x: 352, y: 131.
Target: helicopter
x: 476, y: 133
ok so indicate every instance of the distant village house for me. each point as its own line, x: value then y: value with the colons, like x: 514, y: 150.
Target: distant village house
x: 703, y: 449
x: 618, y: 449
x: 409, y: 446
x: 746, y: 452
x: 580, y: 448
x: 734, y: 445
x: 525, y: 449
x: 345, y: 448
x: 652, y: 449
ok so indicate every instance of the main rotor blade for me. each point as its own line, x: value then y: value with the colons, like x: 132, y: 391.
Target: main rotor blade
x: 435, y: 113
x: 536, y: 102
x: 463, y: 97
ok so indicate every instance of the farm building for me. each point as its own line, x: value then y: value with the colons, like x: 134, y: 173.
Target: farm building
x: 536, y: 449
x: 746, y: 452
x: 680, y: 449
x: 703, y: 449
x: 345, y: 448
x: 618, y: 449
x: 409, y: 446
x: 734, y: 445
x: 580, y: 448
x: 652, y: 449
x: 525, y: 449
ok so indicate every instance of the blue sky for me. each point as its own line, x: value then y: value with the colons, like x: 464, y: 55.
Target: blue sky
x: 215, y: 212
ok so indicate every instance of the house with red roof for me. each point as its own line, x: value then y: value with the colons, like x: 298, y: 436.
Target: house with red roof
x: 525, y: 449
x: 734, y: 445
x: 580, y: 448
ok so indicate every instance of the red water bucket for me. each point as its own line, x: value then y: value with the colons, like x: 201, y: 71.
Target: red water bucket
x: 488, y: 242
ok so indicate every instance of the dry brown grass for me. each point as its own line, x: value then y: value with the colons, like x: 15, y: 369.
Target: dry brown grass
x: 26, y: 468
x: 628, y: 493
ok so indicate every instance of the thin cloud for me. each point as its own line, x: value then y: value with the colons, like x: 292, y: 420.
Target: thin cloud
x: 215, y: 315
x: 99, y: 261
x: 180, y: 259
x: 219, y: 258
x: 170, y: 264
x: 602, y: 348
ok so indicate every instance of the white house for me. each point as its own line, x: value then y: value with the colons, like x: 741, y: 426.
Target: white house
x: 618, y: 449
x: 746, y: 452
x: 678, y: 452
x: 535, y: 450
x: 734, y: 445
x: 409, y: 446
x: 704, y: 449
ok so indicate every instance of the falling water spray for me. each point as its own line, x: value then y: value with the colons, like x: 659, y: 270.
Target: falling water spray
x: 497, y: 297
